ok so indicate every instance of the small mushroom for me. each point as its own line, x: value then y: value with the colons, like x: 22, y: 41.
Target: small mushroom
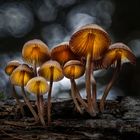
x: 91, y: 42
x: 35, y: 52
x: 19, y: 77
x: 38, y: 86
x: 117, y: 54
x: 74, y: 69
x: 10, y: 67
x: 51, y: 71
x: 62, y: 53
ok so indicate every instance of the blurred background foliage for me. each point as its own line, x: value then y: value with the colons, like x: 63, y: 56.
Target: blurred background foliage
x: 53, y: 21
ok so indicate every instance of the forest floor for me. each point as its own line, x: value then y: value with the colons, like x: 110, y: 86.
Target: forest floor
x: 119, y: 121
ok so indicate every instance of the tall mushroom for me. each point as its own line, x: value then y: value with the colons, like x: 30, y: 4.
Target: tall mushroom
x: 38, y: 86
x: 117, y: 54
x: 35, y: 52
x: 51, y: 71
x: 91, y: 42
x: 19, y: 77
x: 62, y: 53
x: 74, y: 69
x: 10, y: 67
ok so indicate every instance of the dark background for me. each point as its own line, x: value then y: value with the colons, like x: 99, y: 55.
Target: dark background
x: 53, y: 21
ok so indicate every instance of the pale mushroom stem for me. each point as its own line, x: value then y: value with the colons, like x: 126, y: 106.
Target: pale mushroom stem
x: 49, y: 94
x: 94, y: 90
x: 39, y: 99
x: 78, y: 96
x: 41, y: 96
x: 34, y: 68
x: 40, y: 110
x: 29, y: 104
x: 41, y: 105
x: 88, y: 73
x: 17, y: 100
x: 88, y: 81
x: 110, y: 84
x: 94, y: 93
x: 73, y: 95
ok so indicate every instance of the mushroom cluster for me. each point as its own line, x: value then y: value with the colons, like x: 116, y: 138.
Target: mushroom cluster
x: 88, y: 49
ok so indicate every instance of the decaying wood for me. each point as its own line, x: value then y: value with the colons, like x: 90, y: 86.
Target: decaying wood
x: 120, y: 120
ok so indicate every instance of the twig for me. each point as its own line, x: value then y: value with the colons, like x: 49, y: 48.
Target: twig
x: 10, y: 135
x: 19, y: 124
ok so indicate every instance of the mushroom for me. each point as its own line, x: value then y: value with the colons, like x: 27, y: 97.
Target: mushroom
x: 74, y: 69
x: 38, y: 86
x: 19, y: 77
x: 62, y: 53
x: 91, y: 42
x: 10, y: 67
x: 117, y: 54
x: 51, y: 71
x: 35, y: 52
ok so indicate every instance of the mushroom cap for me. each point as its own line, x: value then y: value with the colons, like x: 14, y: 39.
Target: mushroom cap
x: 37, y: 85
x: 45, y: 70
x: 118, y: 49
x: 73, y: 69
x: 21, y: 75
x: 90, y: 39
x: 35, y: 51
x: 62, y: 53
x: 11, y: 66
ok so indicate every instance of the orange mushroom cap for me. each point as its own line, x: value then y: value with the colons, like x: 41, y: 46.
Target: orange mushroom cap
x: 118, y: 48
x: 73, y: 69
x: 45, y: 70
x: 11, y: 66
x: 21, y: 75
x: 37, y: 85
x: 62, y: 53
x: 90, y: 39
x: 35, y: 51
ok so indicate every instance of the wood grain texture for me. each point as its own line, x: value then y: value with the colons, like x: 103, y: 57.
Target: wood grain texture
x: 120, y: 120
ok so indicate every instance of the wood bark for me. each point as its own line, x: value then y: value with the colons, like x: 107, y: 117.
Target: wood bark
x: 120, y: 120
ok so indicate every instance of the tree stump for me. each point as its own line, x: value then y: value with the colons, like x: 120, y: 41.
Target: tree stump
x: 119, y: 121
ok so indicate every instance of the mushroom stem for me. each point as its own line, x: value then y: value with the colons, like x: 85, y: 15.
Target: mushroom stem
x: 49, y: 94
x: 89, y: 68
x: 73, y: 94
x: 39, y: 99
x: 110, y: 84
x: 88, y: 79
x: 79, y: 98
x: 40, y: 109
x: 94, y: 91
x: 42, y: 105
x: 34, y: 68
x: 29, y: 104
x: 88, y: 85
x: 14, y: 94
